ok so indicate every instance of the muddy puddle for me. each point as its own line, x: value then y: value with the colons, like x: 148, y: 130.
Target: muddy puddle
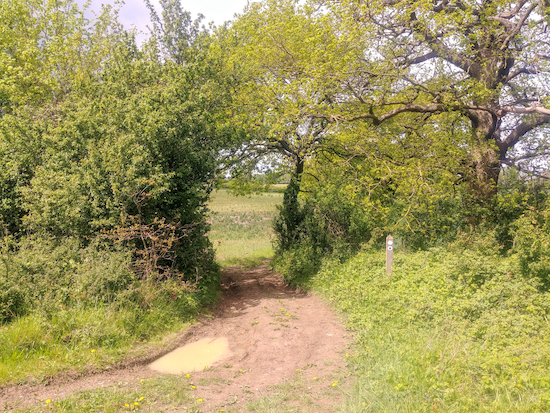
x: 193, y: 356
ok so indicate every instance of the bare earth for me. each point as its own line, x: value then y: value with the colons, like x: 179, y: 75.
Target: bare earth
x: 275, y: 335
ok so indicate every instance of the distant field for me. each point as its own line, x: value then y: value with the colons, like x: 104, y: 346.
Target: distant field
x: 241, y: 226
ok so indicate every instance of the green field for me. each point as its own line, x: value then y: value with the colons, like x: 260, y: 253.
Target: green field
x: 242, y: 231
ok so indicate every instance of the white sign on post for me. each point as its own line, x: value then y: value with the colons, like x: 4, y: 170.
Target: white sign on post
x: 389, y: 254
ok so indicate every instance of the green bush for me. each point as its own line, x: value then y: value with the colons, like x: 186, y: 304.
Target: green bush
x: 12, y: 301
x: 532, y: 245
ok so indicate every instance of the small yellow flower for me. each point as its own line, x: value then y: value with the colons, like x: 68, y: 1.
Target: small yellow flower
x: 142, y: 380
x: 136, y: 404
x: 188, y: 375
x: 141, y: 398
x: 315, y: 378
x: 288, y: 314
x: 335, y: 383
x: 126, y: 405
x: 193, y: 387
x: 200, y: 400
x: 347, y: 355
x: 48, y: 401
x: 93, y: 351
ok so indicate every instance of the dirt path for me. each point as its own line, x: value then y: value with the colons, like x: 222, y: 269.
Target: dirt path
x: 275, y: 335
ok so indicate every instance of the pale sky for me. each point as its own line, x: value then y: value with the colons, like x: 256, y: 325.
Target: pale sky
x: 135, y: 13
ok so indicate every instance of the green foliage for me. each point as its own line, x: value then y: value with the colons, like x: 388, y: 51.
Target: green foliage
x: 288, y: 223
x: 516, y: 196
x: 70, y: 300
x: 455, y: 329
x: 166, y: 390
x: 298, y: 264
x: 248, y: 184
x: 12, y: 301
x: 99, y: 136
x: 92, y: 275
x: 140, y: 125
x: 532, y: 244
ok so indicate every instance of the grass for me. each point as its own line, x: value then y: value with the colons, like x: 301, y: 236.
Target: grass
x: 34, y: 347
x: 242, y: 227
x: 448, y: 331
x: 159, y: 394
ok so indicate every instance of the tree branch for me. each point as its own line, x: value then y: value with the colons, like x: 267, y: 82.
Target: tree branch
x: 521, y: 129
x: 521, y: 71
x: 519, y: 25
x: 410, y: 108
x: 534, y: 108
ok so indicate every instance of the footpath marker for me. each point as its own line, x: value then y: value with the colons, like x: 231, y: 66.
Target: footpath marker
x: 389, y: 254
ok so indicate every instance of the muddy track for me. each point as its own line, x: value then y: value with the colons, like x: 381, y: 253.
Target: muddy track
x: 273, y: 332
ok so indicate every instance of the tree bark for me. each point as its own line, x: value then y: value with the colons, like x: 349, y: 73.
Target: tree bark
x: 486, y: 156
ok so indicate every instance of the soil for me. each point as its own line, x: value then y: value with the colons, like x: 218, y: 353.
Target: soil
x: 275, y: 333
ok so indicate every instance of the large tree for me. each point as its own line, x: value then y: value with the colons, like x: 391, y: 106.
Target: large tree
x: 487, y: 61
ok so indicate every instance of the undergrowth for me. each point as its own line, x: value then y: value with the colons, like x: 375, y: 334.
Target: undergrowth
x: 83, y: 308
x: 455, y: 329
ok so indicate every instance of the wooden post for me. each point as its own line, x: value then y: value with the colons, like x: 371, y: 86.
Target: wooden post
x: 389, y: 254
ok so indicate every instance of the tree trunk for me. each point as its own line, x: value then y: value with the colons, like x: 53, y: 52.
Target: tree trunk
x: 485, y: 156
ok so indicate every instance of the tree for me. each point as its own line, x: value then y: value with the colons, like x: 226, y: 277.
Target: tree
x: 98, y: 132
x: 487, y: 61
x: 48, y: 49
x: 271, y: 50
x: 174, y: 31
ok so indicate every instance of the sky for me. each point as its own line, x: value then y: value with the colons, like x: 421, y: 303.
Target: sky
x: 135, y: 13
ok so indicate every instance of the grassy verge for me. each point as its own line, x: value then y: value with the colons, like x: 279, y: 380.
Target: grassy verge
x: 81, y: 309
x: 35, y: 347
x: 450, y: 330
x: 158, y: 394
x: 241, y: 227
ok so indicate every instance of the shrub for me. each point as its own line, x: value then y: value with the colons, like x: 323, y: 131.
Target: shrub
x: 532, y: 245
x: 12, y: 301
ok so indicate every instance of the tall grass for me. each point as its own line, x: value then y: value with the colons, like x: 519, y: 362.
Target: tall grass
x: 451, y: 330
x: 242, y: 226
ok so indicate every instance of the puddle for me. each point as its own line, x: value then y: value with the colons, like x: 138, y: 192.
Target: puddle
x: 193, y: 356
